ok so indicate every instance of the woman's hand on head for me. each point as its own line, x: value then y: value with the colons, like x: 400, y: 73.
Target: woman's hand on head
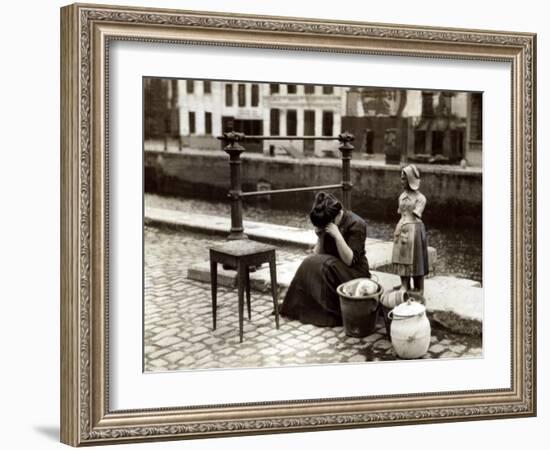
x: 333, y: 230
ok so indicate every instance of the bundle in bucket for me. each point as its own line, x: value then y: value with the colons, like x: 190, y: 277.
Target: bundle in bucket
x: 359, y: 302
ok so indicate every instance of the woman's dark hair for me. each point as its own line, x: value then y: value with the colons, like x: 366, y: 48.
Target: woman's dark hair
x: 325, y: 208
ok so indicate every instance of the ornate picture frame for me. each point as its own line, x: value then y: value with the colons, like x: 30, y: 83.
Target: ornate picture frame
x: 86, y: 34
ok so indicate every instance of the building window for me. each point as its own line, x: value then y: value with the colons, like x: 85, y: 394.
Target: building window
x: 273, y: 88
x: 255, y: 99
x: 242, y: 95
x: 191, y: 122
x: 274, y: 122
x: 309, y: 122
x: 328, y: 123
x: 328, y: 90
x: 190, y: 86
x: 207, y: 87
x: 291, y: 88
x: 291, y: 122
x: 228, y: 95
x: 309, y: 89
x: 208, y: 123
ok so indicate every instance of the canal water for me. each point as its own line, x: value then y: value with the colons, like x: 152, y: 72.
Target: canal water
x: 459, y: 250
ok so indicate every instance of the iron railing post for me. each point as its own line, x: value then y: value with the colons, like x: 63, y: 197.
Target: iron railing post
x: 234, y: 149
x: 346, y: 148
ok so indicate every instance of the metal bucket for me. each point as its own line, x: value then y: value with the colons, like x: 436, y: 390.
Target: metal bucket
x: 359, y: 313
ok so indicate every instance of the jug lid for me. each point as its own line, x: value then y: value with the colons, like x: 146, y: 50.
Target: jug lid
x: 410, y: 308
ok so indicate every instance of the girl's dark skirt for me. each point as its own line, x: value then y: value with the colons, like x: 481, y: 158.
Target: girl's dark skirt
x: 312, y: 298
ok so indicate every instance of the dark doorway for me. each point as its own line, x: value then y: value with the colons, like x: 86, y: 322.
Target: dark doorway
x: 291, y: 122
x: 437, y: 142
x: 457, y: 145
x: 369, y: 142
x: 309, y: 130
x: 419, y: 142
x: 328, y: 121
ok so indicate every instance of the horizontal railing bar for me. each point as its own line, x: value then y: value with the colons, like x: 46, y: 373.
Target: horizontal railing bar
x: 288, y: 138
x: 285, y: 191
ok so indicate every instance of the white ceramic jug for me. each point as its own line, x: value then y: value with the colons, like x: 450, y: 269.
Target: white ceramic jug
x: 410, y: 330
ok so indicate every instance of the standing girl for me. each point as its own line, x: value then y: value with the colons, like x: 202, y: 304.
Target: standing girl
x: 410, y: 247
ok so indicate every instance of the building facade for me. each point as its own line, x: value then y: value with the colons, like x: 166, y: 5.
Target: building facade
x: 209, y: 108
x: 426, y: 126
x: 422, y: 126
x: 303, y: 110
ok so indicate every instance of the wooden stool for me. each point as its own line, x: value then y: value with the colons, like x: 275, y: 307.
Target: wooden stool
x: 240, y: 255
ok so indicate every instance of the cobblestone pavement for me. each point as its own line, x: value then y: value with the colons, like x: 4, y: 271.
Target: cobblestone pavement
x: 178, y: 331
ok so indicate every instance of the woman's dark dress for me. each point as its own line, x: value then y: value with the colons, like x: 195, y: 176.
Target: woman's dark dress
x: 311, y: 297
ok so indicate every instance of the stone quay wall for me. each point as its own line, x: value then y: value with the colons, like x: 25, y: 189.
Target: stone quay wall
x: 454, y: 194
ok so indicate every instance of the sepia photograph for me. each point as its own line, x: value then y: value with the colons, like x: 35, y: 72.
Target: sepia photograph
x: 298, y: 224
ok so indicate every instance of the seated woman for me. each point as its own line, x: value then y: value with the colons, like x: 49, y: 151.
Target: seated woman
x: 339, y: 256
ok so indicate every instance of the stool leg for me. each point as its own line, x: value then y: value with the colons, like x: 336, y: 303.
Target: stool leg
x: 214, y: 287
x: 273, y: 273
x: 248, y: 292
x: 241, y: 280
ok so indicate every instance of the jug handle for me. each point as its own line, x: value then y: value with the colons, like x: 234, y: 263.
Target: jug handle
x: 390, y: 316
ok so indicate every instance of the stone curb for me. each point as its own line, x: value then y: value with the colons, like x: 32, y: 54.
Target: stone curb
x: 378, y: 251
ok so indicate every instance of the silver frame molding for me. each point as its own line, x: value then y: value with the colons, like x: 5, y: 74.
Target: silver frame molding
x: 86, y: 31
